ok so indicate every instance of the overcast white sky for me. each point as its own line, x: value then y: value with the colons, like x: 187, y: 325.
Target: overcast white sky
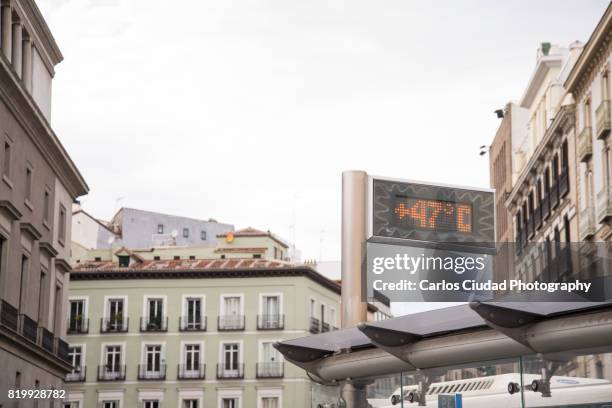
x: 248, y: 111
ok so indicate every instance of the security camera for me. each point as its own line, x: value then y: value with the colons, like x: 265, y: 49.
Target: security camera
x: 513, y: 388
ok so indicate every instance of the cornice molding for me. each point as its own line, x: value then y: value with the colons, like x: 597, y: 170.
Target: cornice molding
x: 48, y: 248
x: 593, y: 55
x: 31, y: 230
x: 63, y: 264
x: 118, y: 274
x: 31, y: 119
x: 10, y: 210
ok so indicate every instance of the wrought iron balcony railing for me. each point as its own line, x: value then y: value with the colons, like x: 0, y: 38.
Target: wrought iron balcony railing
x: 78, y: 374
x: 585, y: 144
x: 270, y: 370
x: 324, y: 327
x: 231, y: 323
x: 28, y: 328
x: 270, y: 322
x: 111, y: 372
x: 189, y: 323
x: 78, y: 325
x: 230, y: 372
x: 192, y: 372
x: 8, y: 315
x: 46, y: 339
x: 602, y: 120
x: 151, y: 372
x: 62, y: 349
x: 153, y: 324
x: 114, y: 325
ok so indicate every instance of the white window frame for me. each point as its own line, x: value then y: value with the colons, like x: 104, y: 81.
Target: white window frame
x: 222, y: 298
x: 229, y: 393
x: 143, y: 351
x: 75, y: 396
x: 190, y: 393
x: 85, y: 300
x: 111, y: 395
x: 260, y: 350
x: 103, y: 346
x: 108, y: 298
x: 280, y: 301
x: 332, y: 323
x: 83, y: 347
x: 151, y: 395
x: 145, y: 304
x: 312, y: 312
x: 275, y: 392
x: 222, y: 344
x: 202, y: 305
x: 187, y: 343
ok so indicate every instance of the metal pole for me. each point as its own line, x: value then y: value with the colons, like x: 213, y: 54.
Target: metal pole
x: 354, y: 310
x: 354, y: 193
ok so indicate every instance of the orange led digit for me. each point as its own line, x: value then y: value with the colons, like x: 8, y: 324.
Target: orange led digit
x: 435, y: 215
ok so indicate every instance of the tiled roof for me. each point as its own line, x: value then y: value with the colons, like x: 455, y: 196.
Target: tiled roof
x: 183, y: 264
x: 256, y: 250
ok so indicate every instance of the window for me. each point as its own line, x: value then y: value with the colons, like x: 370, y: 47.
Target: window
x: 192, y: 358
x: 312, y: 308
x: 62, y: 225
x: 57, y: 310
x: 76, y: 355
x: 77, y: 315
x: 124, y: 261
x: 6, y: 158
x: 193, y: 307
x: 160, y: 228
x: 332, y: 316
x: 115, y: 308
x: 177, y: 257
x: 151, y: 404
x: 156, y: 258
x: 25, y: 265
x: 110, y: 404
x: 256, y: 256
x: 42, y: 294
x: 154, y: 313
x: 185, y: 232
x: 203, y: 235
x: 153, y: 358
x: 270, y: 312
x: 275, y: 253
x: 229, y: 403
x: 230, y: 357
x: 190, y: 403
x: 112, y: 359
x: 28, y: 184
x: 98, y: 259
x: 46, y: 207
x: 192, y: 257
x: 269, y: 402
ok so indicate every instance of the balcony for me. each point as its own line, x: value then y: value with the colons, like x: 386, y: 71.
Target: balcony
x: 270, y: 370
x: 231, y: 372
x: 191, y: 324
x: 8, y: 315
x: 153, y: 324
x: 604, y: 204
x: 46, y: 339
x: 111, y: 373
x: 78, y: 325
x: 194, y: 372
x: 602, y: 120
x: 585, y: 144
x: 270, y: 322
x: 587, y: 223
x: 148, y: 373
x: 230, y: 323
x: 115, y: 325
x: 62, y: 349
x: 28, y: 328
x: 78, y: 374
x: 554, y: 196
x: 563, y: 183
x: 324, y: 327
x: 315, y: 327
